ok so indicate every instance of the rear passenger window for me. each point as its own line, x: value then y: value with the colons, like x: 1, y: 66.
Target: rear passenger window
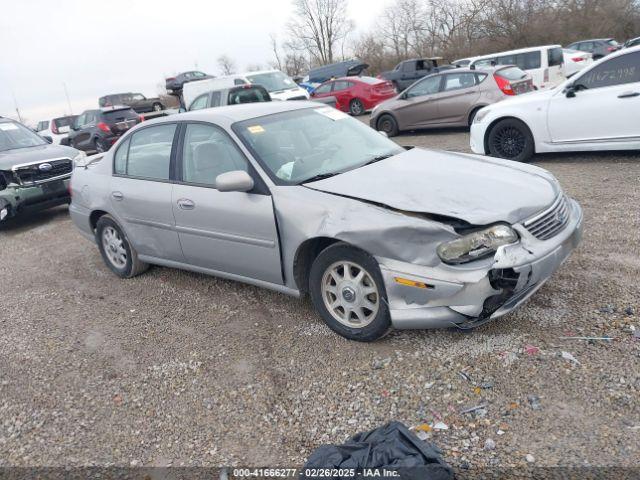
x: 149, y: 152
x: 200, y: 102
x: 209, y: 152
x: 456, y: 81
x: 120, y: 159
x: 617, y: 71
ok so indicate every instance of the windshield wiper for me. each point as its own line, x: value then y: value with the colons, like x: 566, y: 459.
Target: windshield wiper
x: 379, y: 158
x: 320, y: 176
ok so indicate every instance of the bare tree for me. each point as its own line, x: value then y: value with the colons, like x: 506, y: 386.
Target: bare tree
x: 226, y: 64
x: 318, y: 27
x: 276, y: 54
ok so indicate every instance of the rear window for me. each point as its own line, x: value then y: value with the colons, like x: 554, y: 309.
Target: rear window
x: 248, y: 95
x: 370, y: 80
x: 555, y: 57
x: 119, y: 115
x: 512, y: 73
x: 612, y: 42
x: 64, y: 121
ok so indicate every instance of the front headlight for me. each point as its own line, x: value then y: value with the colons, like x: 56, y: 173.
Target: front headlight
x: 79, y: 159
x: 480, y: 115
x: 476, y: 245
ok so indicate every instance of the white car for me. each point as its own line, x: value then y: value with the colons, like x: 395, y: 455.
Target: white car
x: 279, y: 86
x: 597, y: 109
x: 544, y: 64
x: 56, y: 129
x: 575, y: 60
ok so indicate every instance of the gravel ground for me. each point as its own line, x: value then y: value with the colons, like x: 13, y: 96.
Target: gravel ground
x: 175, y: 368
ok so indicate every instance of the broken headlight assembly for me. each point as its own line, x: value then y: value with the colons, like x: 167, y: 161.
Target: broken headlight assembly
x: 476, y: 245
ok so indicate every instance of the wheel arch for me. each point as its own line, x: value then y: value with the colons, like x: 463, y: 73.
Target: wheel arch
x: 304, y: 257
x: 499, y: 119
x: 95, y: 216
x: 473, y: 110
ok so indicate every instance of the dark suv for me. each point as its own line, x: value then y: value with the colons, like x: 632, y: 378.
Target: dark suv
x: 97, y: 130
x: 137, y: 101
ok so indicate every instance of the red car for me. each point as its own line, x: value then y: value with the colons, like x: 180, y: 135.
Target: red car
x: 355, y: 95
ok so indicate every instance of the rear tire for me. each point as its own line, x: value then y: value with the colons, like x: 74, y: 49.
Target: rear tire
x: 348, y: 291
x: 511, y: 139
x: 157, y: 107
x: 387, y: 124
x: 356, y: 107
x: 118, y: 254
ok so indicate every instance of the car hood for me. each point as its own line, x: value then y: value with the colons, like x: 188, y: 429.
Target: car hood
x: 478, y: 190
x: 18, y: 156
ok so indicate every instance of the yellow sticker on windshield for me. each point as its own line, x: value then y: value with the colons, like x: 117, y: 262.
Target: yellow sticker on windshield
x: 256, y: 129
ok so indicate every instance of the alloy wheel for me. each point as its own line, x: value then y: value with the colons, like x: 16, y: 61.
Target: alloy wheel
x: 509, y: 142
x: 113, y: 245
x: 350, y: 294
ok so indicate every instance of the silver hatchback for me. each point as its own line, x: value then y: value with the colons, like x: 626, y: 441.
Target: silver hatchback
x: 303, y: 199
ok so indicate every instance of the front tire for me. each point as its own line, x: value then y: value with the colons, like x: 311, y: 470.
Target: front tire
x: 348, y: 291
x: 387, y: 124
x: 118, y: 254
x: 356, y: 107
x: 511, y: 139
x: 157, y: 107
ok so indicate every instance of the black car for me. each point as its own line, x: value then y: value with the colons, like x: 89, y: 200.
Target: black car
x: 34, y: 175
x: 174, y: 84
x: 97, y: 130
x: 137, y: 101
x: 634, y: 42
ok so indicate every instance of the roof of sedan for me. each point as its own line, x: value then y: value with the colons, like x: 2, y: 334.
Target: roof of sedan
x: 245, y: 111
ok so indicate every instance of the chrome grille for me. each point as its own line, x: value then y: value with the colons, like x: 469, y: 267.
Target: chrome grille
x: 550, y: 222
x: 45, y: 171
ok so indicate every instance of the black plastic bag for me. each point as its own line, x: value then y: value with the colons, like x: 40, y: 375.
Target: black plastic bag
x: 391, y: 447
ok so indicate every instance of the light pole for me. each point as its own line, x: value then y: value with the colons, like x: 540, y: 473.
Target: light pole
x: 66, y: 94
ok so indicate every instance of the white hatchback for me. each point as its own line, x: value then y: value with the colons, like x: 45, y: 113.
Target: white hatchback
x: 597, y: 109
x: 57, y: 129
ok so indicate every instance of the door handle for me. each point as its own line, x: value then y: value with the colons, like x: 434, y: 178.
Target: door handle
x: 629, y: 95
x: 186, y: 204
x: 117, y: 195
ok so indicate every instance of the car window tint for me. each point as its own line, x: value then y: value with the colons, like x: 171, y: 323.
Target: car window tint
x: 616, y: 71
x: 326, y: 88
x: 555, y: 57
x: 90, y: 118
x: 150, y: 152
x: 248, y: 95
x: 200, y: 102
x: 208, y: 152
x: 427, y: 86
x: 480, y: 77
x: 120, y: 158
x: 456, y: 81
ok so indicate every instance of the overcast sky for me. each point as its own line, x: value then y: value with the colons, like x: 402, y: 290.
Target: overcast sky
x: 100, y: 47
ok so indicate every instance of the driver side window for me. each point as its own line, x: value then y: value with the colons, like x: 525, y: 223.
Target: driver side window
x: 326, y: 88
x: 207, y: 153
x: 617, y: 71
x: 428, y: 86
x: 200, y: 102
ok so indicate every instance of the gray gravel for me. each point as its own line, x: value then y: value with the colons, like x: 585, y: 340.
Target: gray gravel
x: 175, y: 368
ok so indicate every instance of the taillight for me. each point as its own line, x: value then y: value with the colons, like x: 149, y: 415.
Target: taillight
x: 69, y: 188
x: 54, y: 128
x: 171, y: 79
x: 546, y: 75
x: 104, y: 127
x: 578, y: 59
x: 503, y: 84
x: 141, y: 118
x: 611, y: 49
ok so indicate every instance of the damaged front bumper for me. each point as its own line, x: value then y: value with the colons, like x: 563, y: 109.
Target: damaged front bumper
x: 21, y: 199
x: 468, y: 295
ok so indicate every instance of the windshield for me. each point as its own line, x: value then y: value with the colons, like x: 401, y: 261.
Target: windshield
x: 294, y: 147
x: 272, y: 81
x: 13, y: 135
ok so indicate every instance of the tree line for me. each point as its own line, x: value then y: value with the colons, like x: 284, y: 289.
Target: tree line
x: 320, y: 31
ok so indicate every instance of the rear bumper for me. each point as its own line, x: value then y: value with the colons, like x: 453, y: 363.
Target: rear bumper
x: 467, y: 296
x: 81, y: 218
x: 476, y: 138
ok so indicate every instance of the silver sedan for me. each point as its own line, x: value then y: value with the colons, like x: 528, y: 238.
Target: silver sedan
x: 300, y: 198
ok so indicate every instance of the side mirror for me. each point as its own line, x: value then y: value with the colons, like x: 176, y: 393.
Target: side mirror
x: 235, y: 181
x: 48, y: 138
x: 403, y: 95
x: 570, y: 91
x: 182, y: 110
